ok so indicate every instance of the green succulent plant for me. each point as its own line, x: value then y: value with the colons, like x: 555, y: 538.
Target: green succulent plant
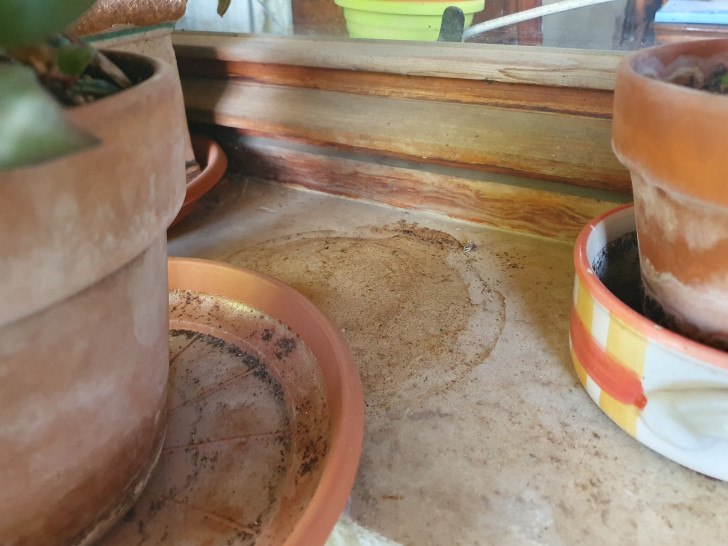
x: 33, y: 128
x: 42, y: 69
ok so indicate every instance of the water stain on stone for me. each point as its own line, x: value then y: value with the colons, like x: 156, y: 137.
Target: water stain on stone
x: 416, y: 314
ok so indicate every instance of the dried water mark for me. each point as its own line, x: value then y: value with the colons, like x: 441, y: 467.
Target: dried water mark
x: 416, y: 314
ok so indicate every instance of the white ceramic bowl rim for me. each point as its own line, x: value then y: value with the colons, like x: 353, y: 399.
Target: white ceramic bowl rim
x: 591, y: 240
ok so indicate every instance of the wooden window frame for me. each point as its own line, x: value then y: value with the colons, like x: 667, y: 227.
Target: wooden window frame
x: 375, y: 118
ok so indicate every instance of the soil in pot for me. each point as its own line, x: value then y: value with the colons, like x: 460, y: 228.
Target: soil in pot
x: 714, y: 80
x: 617, y: 267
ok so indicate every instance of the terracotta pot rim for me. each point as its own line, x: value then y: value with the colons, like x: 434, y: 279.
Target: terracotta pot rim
x: 345, y: 397
x: 670, y: 134
x: 632, y: 64
x: 106, y: 186
x: 626, y: 314
x: 211, y: 157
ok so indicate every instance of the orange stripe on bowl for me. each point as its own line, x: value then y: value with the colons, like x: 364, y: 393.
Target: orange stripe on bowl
x: 620, y: 383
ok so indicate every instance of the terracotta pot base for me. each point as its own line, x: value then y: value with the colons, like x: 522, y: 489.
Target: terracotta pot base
x: 653, y: 310
x: 87, y: 434
x: 683, y: 250
x: 126, y: 499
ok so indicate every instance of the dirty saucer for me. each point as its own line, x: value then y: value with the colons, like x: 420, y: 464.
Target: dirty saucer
x: 214, y: 163
x: 266, y: 417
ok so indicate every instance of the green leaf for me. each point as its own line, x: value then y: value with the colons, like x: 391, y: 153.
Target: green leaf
x: 33, y: 127
x: 73, y: 59
x: 222, y: 7
x: 24, y: 22
x: 724, y: 82
x: 95, y: 87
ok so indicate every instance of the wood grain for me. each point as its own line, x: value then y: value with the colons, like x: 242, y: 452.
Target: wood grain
x: 588, y: 102
x: 543, y: 145
x: 542, y: 213
x: 500, y: 63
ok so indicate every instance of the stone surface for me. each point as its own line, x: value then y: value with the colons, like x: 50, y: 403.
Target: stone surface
x: 506, y: 447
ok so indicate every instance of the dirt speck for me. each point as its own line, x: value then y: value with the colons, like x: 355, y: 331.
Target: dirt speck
x: 285, y: 347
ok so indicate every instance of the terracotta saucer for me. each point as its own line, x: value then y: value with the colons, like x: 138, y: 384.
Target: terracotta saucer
x: 214, y: 163
x: 266, y: 417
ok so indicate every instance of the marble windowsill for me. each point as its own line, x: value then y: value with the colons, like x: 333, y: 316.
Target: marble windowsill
x: 477, y: 428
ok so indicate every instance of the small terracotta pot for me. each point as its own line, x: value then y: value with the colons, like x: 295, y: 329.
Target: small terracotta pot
x: 84, y: 316
x: 673, y: 140
x: 331, y: 428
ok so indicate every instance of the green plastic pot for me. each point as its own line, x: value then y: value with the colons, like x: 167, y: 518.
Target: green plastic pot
x: 401, y: 19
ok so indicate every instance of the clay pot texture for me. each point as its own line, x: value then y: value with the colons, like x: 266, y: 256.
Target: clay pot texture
x: 674, y: 139
x: 84, y: 316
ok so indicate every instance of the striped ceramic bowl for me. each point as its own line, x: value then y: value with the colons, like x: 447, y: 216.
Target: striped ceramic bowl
x: 668, y: 392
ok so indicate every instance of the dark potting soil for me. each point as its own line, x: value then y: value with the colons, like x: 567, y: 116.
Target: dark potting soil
x: 715, y: 82
x: 618, y: 267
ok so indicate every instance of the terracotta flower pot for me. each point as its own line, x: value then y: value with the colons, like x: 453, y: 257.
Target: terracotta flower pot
x: 84, y: 316
x: 673, y: 140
